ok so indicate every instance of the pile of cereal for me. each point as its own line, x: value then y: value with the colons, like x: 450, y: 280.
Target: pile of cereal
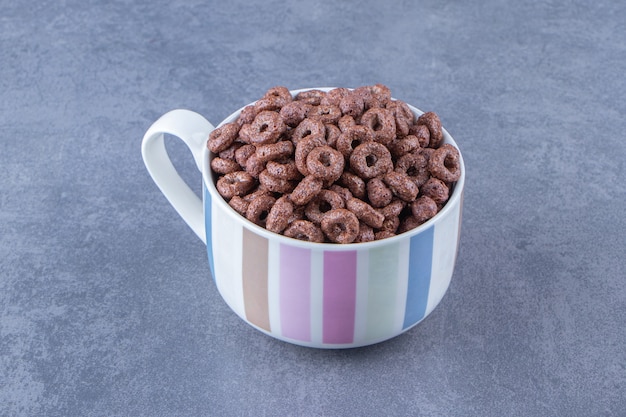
x: 340, y: 166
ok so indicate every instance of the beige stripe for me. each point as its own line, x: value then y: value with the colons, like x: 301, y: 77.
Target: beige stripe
x: 254, y: 276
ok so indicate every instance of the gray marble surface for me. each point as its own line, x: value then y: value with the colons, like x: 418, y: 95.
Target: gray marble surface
x: 106, y: 303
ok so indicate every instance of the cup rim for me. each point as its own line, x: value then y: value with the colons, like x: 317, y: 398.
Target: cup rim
x: 216, y: 198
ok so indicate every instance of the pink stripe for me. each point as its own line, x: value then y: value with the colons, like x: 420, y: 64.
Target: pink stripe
x: 339, y: 296
x: 295, y: 292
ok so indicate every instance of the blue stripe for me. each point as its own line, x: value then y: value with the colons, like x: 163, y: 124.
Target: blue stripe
x: 207, y: 228
x: 420, y: 266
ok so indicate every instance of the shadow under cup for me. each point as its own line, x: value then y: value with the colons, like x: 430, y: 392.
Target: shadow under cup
x: 327, y: 295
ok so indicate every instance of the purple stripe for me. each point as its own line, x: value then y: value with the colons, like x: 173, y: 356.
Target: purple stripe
x: 339, y: 296
x: 295, y: 292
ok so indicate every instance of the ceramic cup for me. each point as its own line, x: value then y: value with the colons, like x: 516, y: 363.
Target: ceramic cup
x: 321, y: 295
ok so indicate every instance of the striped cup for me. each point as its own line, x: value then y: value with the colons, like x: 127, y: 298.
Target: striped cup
x: 319, y: 295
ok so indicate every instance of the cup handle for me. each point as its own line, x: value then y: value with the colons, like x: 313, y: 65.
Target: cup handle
x: 193, y: 130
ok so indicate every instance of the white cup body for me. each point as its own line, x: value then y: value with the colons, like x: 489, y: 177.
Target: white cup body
x: 327, y: 295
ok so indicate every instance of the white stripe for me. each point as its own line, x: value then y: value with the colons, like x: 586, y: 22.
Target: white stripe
x: 273, y: 286
x: 362, y: 284
x: 444, y: 251
x: 317, y: 296
x: 227, y: 236
x: 404, y: 250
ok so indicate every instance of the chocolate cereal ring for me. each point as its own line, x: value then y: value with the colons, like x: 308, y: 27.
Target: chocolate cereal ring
x: 306, y: 190
x: 235, y: 183
x: 286, y: 170
x: 371, y: 159
x: 325, y: 201
x: 404, y: 145
x: 274, y: 99
x: 258, y: 192
x: 353, y: 183
x: 352, y: 105
x: 366, y: 213
x: 239, y: 204
x: 432, y: 122
x: 393, y: 209
x: 407, y: 224
x: 383, y: 234
x: 422, y: 134
x: 435, y: 189
x: 427, y: 152
x: 298, y: 213
x: 325, y: 113
x: 401, y: 185
x: 223, y: 137
x: 381, y: 92
x: 378, y: 194
x: 415, y: 165
x: 346, y: 122
x: 278, y: 217
x: 334, y: 96
x: 275, y: 184
x: 304, y: 230
x: 325, y: 163
x: 445, y: 163
x: 382, y: 123
x: 266, y: 128
x: 340, y: 225
x: 243, y: 153
x: 308, y: 127
x: 332, y: 134
x: 366, y: 234
x: 343, y: 192
x: 295, y: 112
x: 373, y: 96
x: 254, y: 166
x: 401, y: 110
x: 390, y: 224
x: 259, y: 208
x: 312, y: 97
x: 247, y: 115
x: 224, y: 166
x: 352, y: 137
x: 274, y: 151
x: 423, y: 208
x: 365, y: 93
x: 403, y: 116
x: 303, y: 148
x: 229, y: 153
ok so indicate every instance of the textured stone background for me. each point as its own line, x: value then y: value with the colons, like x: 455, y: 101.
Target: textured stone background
x: 106, y: 305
